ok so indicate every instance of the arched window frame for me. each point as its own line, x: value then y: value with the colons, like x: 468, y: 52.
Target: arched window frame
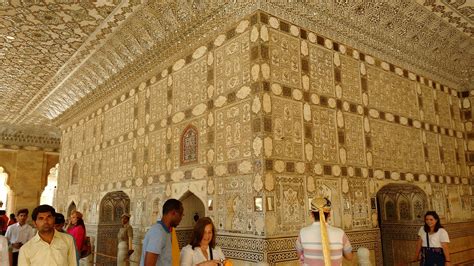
x: 75, y: 174
x: 189, y: 129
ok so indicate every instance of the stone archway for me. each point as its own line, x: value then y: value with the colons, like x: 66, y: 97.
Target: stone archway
x: 400, y: 213
x: 112, y: 206
x: 49, y: 192
x: 193, y: 208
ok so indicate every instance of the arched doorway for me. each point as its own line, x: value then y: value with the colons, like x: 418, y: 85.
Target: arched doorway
x: 194, y: 209
x: 401, y: 211
x: 112, y: 206
x: 47, y: 196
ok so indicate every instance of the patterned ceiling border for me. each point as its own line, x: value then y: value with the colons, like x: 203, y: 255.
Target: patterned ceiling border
x: 157, y: 57
x: 97, y: 39
x: 435, y: 65
x: 455, y: 13
x: 25, y: 147
x: 359, y: 25
x: 29, y: 137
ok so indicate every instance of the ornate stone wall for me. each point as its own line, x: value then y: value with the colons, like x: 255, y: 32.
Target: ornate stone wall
x: 259, y: 120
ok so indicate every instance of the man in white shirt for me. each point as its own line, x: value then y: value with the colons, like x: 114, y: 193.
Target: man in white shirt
x: 19, y: 233
x: 48, y: 246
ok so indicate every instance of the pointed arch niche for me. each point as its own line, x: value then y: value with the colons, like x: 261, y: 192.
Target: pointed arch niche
x: 189, y: 145
x: 72, y: 207
x: 75, y: 174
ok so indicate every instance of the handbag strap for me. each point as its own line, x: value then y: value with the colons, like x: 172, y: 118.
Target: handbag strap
x: 427, y: 240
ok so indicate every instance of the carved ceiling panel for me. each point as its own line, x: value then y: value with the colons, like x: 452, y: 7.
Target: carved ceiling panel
x: 58, y: 59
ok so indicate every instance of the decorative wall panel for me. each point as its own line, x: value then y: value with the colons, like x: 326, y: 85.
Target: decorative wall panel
x: 233, y: 131
x: 158, y: 100
x: 428, y: 103
x: 462, y: 158
x: 383, y: 85
x: 119, y: 119
x: 89, y: 134
x: 285, y: 59
x: 324, y: 134
x: 449, y: 155
x: 232, y: 64
x: 141, y: 109
x: 321, y: 71
x: 438, y: 199
x: 287, y: 120
x: 190, y: 85
x: 396, y: 147
x: 445, y: 114
x: 290, y: 199
x: 354, y: 139
x: 356, y: 202
x: 117, y: 162
x: 456, y: 115
x: 433, y: 153
x: 157, y: 152
x: 87, y: 170
x: 138, y: 157
x: 234, y: 200
x: 454, y: 202
x: 77, y: 140
x: 350, y: 79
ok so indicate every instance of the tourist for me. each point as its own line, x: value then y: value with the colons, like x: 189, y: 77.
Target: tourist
x: 432, y: 245
x: 77, y: 229
x: 18, y: 234
x: 125, y: 237
x: 48, y: 246
x: 202, y: 249
x: 334, y: 242
x: 12, y: 219
x: 160, y: 246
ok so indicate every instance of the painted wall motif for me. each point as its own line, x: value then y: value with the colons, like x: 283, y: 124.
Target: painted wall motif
x: 279, y: 115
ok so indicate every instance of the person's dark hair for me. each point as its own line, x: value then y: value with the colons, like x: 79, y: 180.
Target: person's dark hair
x: 12, y: 216
x: 198, y: 232
x: 172, y: 205
x: 316, y: 216
x: 438, y: 222
x: 22, y: 211
x: 3, y: 212
x: 42, y: 209
x: 59, y: 218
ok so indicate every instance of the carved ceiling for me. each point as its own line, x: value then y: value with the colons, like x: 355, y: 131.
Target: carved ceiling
x: 59, y: 59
